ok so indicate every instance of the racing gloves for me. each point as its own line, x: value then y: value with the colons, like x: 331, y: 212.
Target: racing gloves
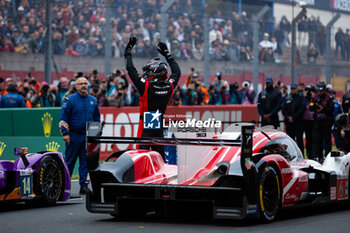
x: 163, y: 49
x: 129, y: 46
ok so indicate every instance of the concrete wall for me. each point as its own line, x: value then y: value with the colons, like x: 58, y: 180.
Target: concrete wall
x: 18, y: 62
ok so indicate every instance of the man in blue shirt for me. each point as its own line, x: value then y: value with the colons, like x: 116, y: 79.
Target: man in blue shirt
x: 77, y: 109
x: 12, y: 99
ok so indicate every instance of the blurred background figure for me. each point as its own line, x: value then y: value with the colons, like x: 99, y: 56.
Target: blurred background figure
x: 12, y: 99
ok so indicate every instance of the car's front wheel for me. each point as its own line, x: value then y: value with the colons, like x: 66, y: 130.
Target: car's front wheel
x: 269, y: 193
x: 50, y: 180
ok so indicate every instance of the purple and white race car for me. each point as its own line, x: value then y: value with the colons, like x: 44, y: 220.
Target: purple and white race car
x: 41, y: 176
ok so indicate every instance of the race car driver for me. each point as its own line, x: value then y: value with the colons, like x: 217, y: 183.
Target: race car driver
x: 155, y: 90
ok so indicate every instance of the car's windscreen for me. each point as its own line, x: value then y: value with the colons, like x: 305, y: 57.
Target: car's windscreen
x: 284, y: 146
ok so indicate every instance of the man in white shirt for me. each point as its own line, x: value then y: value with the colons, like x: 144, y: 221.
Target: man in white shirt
x: 265, y: 43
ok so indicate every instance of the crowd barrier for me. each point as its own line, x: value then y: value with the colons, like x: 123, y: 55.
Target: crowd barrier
x: 38, y: 130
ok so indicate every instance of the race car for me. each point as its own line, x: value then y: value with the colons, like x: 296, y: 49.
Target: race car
x: 252, y: 172
x: 41, y: 176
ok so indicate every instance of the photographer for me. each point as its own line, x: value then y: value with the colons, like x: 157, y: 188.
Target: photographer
x: 176, y: 98
x: 190, y: 95
x: 93, y: 79
x: 72, y: 89
x: 214, y: 95
x: 225, y: 94
x: 116, y: 77
x: 346, y: 102
x: 102, y: 98
x: 247, y: 93
x: 117, y: 98
x: 323, y: 106
x: 342, y: 130
x: 45, y: 98
x: 94, y: 90
x: 235, y: 95
x: 201, y: 90
x: 309, y: 118
x: 133, y: 96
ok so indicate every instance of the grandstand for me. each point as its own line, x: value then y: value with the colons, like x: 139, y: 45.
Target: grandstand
x: 79, y: 37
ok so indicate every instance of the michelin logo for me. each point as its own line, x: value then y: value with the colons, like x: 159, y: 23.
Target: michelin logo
x: 151, y: 120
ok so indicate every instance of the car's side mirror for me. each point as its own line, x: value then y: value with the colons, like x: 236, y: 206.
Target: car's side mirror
x: 21, y: 151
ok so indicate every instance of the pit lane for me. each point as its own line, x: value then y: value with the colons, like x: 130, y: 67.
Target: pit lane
x: 72, y: 216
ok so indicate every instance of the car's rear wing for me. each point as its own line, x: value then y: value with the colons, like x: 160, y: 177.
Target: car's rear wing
x: 245, y: 141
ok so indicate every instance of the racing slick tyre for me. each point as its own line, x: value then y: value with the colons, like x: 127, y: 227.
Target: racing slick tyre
x: 50, y: 180
x: 269, y: 194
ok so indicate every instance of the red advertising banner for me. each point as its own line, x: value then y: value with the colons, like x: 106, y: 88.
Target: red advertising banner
x: 123, y: 122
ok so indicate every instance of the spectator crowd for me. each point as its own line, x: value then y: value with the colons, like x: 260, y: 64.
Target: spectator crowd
x: 115, y: 90
x: 78, y: 29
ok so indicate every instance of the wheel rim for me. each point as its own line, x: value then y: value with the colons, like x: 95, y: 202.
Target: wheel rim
x: 51, y: 181
x: 270, y: 193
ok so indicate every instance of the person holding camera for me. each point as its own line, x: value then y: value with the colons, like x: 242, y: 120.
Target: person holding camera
x: 309, y: 118
x: 218, y: 80
x: 133, y: 96
x: 45, y: 97
x: 101, y: 97
x: 155, y: 89
x: 117, y: 98
x: 190, y: 95
x: 293, y: 110
x: 346, y: 102
x: 342, y: 130
x: 72, y: 89
x: 235, y: 94
x: 247, y: 93
x: 323, y: 106
x: 214, y: 96
x: 176, y: 98
x: 225, y: 93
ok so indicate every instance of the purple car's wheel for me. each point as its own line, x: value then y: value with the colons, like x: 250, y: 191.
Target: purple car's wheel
x: 50, y: 180
x: 269, y: 193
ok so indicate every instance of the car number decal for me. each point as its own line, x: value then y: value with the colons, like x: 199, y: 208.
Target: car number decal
x: 341, y: 189
x: 26, y: 185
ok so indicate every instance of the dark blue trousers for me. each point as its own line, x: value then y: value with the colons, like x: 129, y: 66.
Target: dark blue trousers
x: 77, y: 149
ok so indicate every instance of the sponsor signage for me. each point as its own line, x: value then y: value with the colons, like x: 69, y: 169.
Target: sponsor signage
x: 342, y: 5
x: 39, y: 129
x: 152, y: 120
x: 123, y: 122
x: 327, y: 5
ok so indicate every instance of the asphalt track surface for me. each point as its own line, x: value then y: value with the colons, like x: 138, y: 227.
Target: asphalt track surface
x: 71, y: 216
